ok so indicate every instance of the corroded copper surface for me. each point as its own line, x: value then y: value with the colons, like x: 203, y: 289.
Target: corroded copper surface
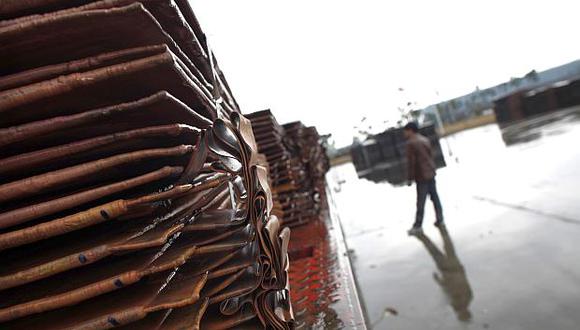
x: 131, y: 190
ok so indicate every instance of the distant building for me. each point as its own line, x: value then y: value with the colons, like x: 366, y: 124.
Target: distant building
x: 476, y: 103
x: 526, y: 104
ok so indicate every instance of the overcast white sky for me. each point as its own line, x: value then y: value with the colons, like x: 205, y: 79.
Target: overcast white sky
x: 331, y: 62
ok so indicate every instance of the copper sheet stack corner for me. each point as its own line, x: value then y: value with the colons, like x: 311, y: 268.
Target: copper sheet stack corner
x: 132, y: 195
x: 297, y: 166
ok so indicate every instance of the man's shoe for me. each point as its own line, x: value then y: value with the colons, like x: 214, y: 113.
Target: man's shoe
x: 439, y: 223
x: 415, y: 231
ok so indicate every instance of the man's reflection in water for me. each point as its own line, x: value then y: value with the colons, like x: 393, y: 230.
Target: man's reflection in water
x: 452, y: 280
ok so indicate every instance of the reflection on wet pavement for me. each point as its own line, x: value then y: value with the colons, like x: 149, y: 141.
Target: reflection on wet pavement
x: 452, y: 279
x: 536, y: 128
x: 324, y: 295
x: 512, y: 214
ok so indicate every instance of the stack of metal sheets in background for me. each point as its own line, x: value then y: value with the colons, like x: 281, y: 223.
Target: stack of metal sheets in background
x: 273, y: 151
x: 309, y: 197
x: 382, y: 157
x: 131, y: 192
x: 297, y: 164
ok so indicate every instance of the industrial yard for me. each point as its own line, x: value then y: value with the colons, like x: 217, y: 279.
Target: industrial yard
x: 212, y: 165
x: 512, y: 224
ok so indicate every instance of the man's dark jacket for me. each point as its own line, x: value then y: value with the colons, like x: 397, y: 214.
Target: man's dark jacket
x: 420, y: 163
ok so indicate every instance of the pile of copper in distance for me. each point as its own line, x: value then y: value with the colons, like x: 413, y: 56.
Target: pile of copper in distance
x: 313, y: 156
x: 275, y: 153
x: 130, y: 190
x: 297, y: 166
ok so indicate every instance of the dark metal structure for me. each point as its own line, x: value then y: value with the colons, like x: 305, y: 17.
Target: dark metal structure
x: 382, y: 157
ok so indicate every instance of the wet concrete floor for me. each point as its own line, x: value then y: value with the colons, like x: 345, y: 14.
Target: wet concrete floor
x: 510, y: 257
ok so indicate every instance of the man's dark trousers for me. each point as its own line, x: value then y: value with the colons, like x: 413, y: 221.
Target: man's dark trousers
x: 425, y: 188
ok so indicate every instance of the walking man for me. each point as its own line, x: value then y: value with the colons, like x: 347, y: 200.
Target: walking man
x: 421, y: 169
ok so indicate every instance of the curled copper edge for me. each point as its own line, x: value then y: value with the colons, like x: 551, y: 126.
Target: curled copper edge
x: 250, y: 200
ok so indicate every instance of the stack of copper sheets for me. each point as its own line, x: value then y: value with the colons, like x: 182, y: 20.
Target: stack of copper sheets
x: 131, y: 193
x: 309, y: 199
x: 273, y: 149
x: 297, y: 164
